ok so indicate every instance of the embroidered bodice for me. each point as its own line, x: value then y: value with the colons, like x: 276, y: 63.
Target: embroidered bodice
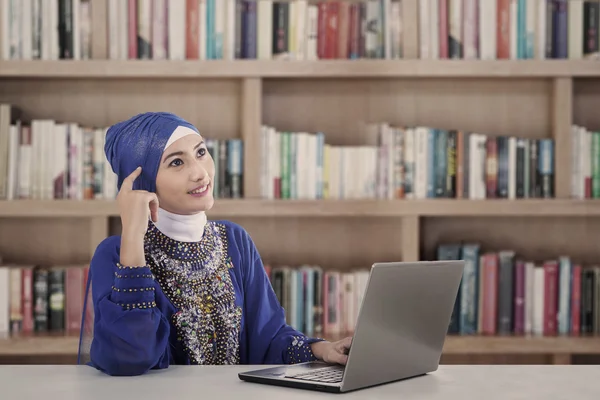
x: 195, y: 278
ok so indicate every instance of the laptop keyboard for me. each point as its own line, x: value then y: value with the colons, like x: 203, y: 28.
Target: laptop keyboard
x: 332, y: 374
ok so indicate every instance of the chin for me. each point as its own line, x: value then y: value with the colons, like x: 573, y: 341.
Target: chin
x: 202, y: 204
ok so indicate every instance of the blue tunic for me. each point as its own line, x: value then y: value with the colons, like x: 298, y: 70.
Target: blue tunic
x: 209, y: 302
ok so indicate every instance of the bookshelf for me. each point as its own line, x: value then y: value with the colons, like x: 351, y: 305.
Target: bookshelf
x: 226, y: 99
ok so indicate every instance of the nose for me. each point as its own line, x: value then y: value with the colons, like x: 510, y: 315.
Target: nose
x: 198, y: 172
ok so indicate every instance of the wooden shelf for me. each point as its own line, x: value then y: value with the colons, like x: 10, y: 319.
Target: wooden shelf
x: 521, y: 345
x: 225, y: 208
x: 455, y: 345
x: 109, y: 69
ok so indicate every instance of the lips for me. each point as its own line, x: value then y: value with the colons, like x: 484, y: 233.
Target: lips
x: 199, y: 189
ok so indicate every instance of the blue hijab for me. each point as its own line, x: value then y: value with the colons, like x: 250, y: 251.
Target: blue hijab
x: 140, y: 141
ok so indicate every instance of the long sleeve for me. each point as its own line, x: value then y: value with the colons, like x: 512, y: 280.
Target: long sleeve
x: 270, y: 339
x: 130, y: 333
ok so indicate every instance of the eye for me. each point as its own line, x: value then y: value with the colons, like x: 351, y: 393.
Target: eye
x: 176, y: 162
x: 201, y: 152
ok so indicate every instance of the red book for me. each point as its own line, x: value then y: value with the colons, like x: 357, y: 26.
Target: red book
x: 192, y: 27
x: 132, y: 33
x: 443, y: 23
x: 27, y: 300
x: 576, y: 300
x: 490, y: 293
x: 503, y: 29
x: 550, y: 297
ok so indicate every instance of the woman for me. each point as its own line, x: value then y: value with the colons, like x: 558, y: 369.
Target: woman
x: 175, y: 288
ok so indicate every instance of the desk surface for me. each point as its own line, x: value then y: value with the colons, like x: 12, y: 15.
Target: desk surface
x: 449, y: 382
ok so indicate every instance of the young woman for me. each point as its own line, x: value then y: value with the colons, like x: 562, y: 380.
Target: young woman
x: 174, y: 288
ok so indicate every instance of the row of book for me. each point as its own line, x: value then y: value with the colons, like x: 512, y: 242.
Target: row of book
x: 42, y: 299
x: 46, y: 29
x: 502, y: 293
x: 585, y: 159
x: 304, y: 29
x: 508, y: 29
x: 43, y: 159
x: 253, y: 29
x: 406, y: 162
x: 319, y: 301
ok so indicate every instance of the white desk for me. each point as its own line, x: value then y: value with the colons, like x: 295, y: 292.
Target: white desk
x: 550, y: 382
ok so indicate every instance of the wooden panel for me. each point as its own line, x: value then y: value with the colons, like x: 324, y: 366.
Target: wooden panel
x: 251, y: 133
x: 341, y: 108
x: 213, y: 106
x: 586, y: 103
x: 562, y: 119
x: 218, y: 69
x: 45, y: 240
x: 535, y: 238
x: 495, y: 359
x: 331, y: 243
x: 230, y: 208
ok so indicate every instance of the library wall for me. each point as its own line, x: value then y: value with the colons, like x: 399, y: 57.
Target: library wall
x: 341, y: 108
x: 46, y: 241
x: 213, y: 105
x: 341, y: 243
x: 586, y: 103
x: 532, y: 238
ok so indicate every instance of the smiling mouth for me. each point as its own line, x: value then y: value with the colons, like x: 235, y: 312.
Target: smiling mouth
x: 200, y: 190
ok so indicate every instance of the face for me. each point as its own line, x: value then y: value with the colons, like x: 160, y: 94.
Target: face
x: 184, y: 183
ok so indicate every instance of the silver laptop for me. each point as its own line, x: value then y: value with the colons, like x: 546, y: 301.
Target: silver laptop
x: 400, y: 332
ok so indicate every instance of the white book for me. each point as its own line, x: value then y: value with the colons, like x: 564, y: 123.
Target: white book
x: 540, y: 46
x: 530, y: 28
x: 202, y: 32
x: 36, y: 29
x: 513, y: 35
x: 424, y: 29
x: 421, y: 151
x: 160, y: 26
x: 176, y: 37
x: 229, y: 30
x: 24, y: 182
x: 26, y: 29
x: 301, y: 13
x: 76, y: 7
x: 4, y: 302
x: 388, y: 17
x: 488, y: 25
x: 123, y: 30
x: 575, y: 27
x: 220, y: 19
x: 5, y: 25
x: 13, y: 162
x: 264, y: 32
x: 537, y: 327
x: 311, y: 32
x: 470, y: 29
x: 47, y: 29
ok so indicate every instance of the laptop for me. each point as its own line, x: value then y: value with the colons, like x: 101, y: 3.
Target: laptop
x: 400, y: 331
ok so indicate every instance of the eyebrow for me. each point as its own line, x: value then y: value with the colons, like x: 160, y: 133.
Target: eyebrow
x: 178, y: 153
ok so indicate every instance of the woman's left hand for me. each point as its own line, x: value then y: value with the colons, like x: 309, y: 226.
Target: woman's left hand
x: 333, y: 352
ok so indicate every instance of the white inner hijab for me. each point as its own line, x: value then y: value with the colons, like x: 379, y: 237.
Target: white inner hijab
x: 183, y: 228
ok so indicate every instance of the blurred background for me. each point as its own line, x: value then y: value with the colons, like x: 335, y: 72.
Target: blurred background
x: 343, y: 132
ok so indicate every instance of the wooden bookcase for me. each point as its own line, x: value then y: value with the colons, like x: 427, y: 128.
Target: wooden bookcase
x: 226, y: 99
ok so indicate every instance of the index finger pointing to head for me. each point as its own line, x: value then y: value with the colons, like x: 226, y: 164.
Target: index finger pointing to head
x: 128, y: 182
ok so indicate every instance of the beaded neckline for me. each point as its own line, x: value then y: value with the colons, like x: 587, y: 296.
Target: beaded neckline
x: 185, y: 251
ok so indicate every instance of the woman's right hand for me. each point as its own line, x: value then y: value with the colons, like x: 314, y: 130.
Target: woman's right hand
x: 134, y: 208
